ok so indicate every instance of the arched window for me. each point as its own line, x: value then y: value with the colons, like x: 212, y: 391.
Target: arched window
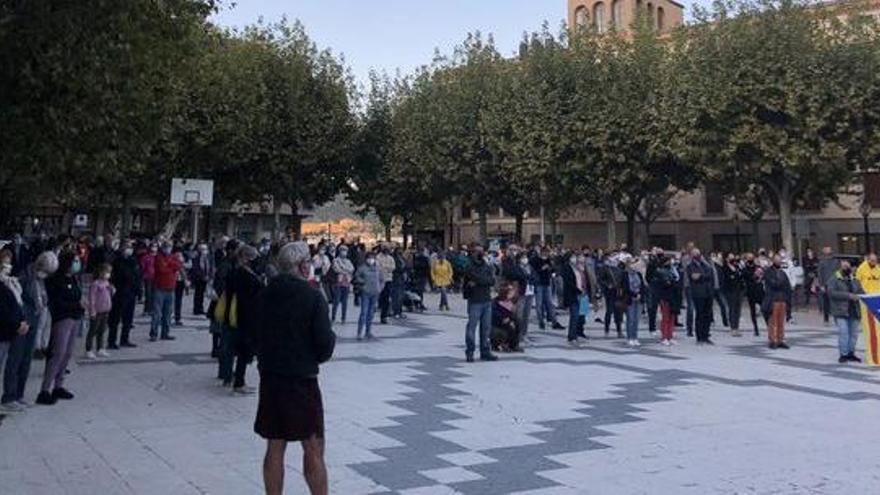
x: 580, y: 16
x: 650, y: 14
x: 599, y: 17
x: 661, y: 20
x: 617, y: 14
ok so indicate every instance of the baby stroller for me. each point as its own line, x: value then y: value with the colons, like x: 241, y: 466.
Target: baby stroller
x: 412, y: 298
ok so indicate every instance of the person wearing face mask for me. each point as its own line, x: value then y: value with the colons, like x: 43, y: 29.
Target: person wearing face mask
x: 343, y: 270
x: 844, y: 291
x: 477, y: 287
x: 733, y: 284
x: 827, y: 267
x: 35, y: 304
x: 754, y: 284
x: 573, y: 287
x: 243, y: 286
x: 200, y: 275
x: 868, y: 275
x: 702, y: 285
x: 67, y: 308
x: 777, y: 295
x: 148, y: 275
x: 166, y: 268
x: 370, y: 281
x: 441, y: 275
x: 13, y: 324
x: 126, y: 280
x: 386, y: 263
x: 542, y: 267
x: 611, y: 280
x: 182, y: 285
x: 21, y: 255
x: 525, y: 280
x: 100, y: 303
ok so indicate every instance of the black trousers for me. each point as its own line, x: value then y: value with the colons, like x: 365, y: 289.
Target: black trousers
x: 734, y: 307
x: 122, y: 312
x: 754, y: 309
x: 385, y: 302
x: 703, y: 317
x: 652, y: 304
x: 611, y: 310
x: 199, y: 297
x: 178, y: 300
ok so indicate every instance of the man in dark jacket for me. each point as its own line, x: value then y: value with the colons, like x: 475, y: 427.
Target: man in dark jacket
x: 293, y: 336
x: 733, y: 283
x: 702, y: 286
x: 611, y: 280
x: 776, y: 299
x: 126, y: 278
x: 844, y: 291
x: 542, y: 266
x: 477, y: 286
x: 828, y: 266
x: 571, y: 294
x: 200, y: 274
x: 12, y: 321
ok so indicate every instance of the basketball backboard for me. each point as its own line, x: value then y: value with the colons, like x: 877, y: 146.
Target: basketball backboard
x: 192, y: 192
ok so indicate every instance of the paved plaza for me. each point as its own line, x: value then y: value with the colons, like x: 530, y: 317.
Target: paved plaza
x: 406, y: 414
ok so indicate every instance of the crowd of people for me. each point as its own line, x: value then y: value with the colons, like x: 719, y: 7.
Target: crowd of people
x: 277, y: 302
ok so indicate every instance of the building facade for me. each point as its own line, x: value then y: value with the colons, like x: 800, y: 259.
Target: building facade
x: 702, y: 216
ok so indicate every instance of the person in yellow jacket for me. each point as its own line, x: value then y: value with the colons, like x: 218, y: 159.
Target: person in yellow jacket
x: 868, y: 275
x: 441, y: 275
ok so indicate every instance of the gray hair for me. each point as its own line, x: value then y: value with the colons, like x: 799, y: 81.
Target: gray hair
x: 292, y: 256
x: 246, y: 253
x: 46, y: 262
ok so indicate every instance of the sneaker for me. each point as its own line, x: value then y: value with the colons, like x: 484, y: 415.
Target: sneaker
x: 244, y: 390
x: 132, y: 346
x: 469, y: 358
x: 11, y: 408
x: 636, y: 343
x: 62, y: 394
x: 574, y: 343
x: 854, y: 358
x: 772, y: 345
x: 489, y: 358
x: 709, y: 342
x: 843, y: 359
x: 153, y: 338
x: 114, y: 347
x: 783, y: 345
x: 667, y: 343
x: 169, y: 337
x: 46, y: 399
x: 23, y: 403
x: 103, y: 353
x: 91, y: 356
x: 557, y: 326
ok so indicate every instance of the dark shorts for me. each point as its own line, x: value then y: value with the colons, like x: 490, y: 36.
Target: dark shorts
x: 290, y: 409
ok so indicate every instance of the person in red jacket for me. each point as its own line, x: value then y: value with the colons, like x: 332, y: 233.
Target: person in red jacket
x: 165, y: 271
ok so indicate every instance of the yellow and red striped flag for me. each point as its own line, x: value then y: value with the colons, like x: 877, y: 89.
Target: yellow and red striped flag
x: 871, y: 327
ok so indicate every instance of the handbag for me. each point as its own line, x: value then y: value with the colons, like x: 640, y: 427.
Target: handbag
x: 226, y: 311
x: 584, y: 302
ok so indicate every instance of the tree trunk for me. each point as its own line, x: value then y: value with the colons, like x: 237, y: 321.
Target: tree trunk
x: 647, y: 223
x: 276, y: 217
x: 631, y: 230
x: 756, y: 234
x: 610, y: 225
x: 519, y: 228
x: 296, y: 222
x: 785, y: 228
x: 484, y: 227
x: 388, y: 231
x: 126, y: 215
x: 554, y: 228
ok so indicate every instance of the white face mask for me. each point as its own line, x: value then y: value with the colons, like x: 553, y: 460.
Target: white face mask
x: 105, y: 276
x: 5, y: 269
x: 371, y: 261
x: 42, y: 275
x: 128, y: 252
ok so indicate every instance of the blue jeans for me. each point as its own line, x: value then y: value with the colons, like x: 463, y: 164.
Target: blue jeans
x: 478, y: 313
x: 18, y: 366
x: 574, y: 316
x: 444, y: 299
x: 340, y: 296
x: 368, y: 309
x: 633, y: 313
x: 544, y: 305
x: 848, y: 335
x: 163, y: 301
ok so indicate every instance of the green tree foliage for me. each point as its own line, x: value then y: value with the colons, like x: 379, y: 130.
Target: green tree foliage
x: 779, y: 94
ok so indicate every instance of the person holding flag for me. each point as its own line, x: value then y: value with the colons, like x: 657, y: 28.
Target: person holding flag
x: 844, y: 294
x: 868, y: 275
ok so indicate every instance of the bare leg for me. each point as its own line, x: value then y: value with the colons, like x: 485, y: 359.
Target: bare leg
x: 313, y: 466
x: 273, y: 467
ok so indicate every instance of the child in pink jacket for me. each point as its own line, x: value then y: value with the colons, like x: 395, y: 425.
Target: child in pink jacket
x: 100, y: 304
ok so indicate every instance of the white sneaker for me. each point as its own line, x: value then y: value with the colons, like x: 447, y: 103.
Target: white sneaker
x: 91, y: 355
x: 103, y: 353
x: 667, y: 343
x: 11, y: 408
x: 636, y: 343
x: 630, y: 343
x: 24, y: 404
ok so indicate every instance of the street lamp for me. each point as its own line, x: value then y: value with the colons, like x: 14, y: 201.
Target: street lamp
x: 865, y: 209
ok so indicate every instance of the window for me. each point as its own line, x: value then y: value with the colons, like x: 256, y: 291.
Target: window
x: 714, y: 197
x: 854, y: 244
x: 727, y: 243
x: 580, y: 16
x: 872, y: 189
x: 617, y: 14
x: 599, y: 17
x: 661, y: 19
x: 664, y: 241
x: 466, y: 212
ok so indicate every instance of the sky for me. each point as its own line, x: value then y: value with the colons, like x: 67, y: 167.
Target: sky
x: 401, y: 34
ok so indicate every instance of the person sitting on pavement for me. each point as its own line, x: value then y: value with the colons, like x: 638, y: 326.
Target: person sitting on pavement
x: 505, y: 333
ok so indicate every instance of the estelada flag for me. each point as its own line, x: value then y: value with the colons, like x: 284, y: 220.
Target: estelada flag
x: 871, y: 327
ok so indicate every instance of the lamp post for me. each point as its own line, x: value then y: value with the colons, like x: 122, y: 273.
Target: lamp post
x: 865, y: 209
